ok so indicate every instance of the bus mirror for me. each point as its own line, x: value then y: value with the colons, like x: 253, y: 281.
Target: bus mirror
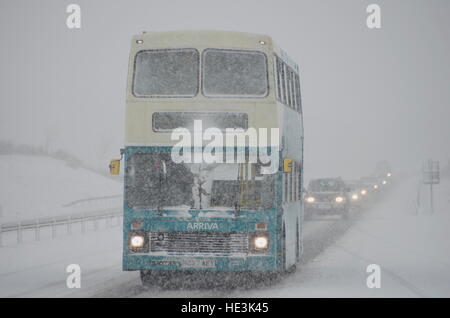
x: 287, y: 165
x: 114, y: 166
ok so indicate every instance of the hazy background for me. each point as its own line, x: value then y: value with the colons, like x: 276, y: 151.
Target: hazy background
x: 367, y: 94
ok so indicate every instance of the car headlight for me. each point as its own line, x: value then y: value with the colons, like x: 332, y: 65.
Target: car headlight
x: 354, y: 197
x: 259, y: 242
x: 384, y: 182
x: 389, y: 174
x: 375, y: 186
x: 339, y: 199
x: 363, y: 191
x: 310, y: 199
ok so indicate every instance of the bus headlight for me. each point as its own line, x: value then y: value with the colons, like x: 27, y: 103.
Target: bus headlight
x: 339, y: 199
x: 363, y: 191
x: 355, y: 197
x: 137, y: 241
x: 310, y: 199
x: 259, y: 242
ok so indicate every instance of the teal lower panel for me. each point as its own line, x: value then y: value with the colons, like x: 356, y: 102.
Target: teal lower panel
x: 147, y: 262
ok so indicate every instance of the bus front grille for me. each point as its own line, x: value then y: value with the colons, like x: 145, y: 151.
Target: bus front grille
x: 183, y: 242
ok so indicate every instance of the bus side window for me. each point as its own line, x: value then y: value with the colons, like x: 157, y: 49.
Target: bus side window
x: 288, y: 183
x: 288, y: 95
x: 278, y: 77
x: 291, y: 177
x: 286, y: 77
x: 286, y: 188
x: 289, y: 86
x: 291, y: 77
x: 295, y: 181
x: 283, y: 83
x: 293, y: 89
x: 300, y: 185
x: 298, y: 95
x: 294, y: 80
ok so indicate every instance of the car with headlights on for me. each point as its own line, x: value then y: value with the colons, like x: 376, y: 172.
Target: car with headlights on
x: 383, y: 171
x: 357, y: 194
x: 327, y: 196
x: 373, y: 187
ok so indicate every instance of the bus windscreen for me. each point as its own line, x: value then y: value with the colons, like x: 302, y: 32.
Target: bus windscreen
x: 153, y: 180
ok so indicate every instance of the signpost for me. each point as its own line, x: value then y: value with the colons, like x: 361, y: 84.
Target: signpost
x: 431, y: 176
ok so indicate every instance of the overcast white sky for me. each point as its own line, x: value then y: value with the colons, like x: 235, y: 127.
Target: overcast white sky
x: 367, y: 94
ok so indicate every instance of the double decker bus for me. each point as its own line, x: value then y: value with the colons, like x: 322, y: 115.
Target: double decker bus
x: 220, y: 215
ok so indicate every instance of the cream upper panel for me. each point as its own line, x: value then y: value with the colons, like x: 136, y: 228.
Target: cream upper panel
x: 199, y: 40
x: 139, y: 130
x: 261, y: 112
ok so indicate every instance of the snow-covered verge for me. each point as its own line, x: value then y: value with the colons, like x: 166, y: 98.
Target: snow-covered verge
x: 37, y: 186
x: 38, y: 269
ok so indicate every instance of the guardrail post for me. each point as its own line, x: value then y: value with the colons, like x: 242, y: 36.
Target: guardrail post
x: 36, y: 231
x: 53, y: 228
x: 95, y: 223
x: 69, y: 226
x: 19, y: 233
x: 83, y: 225
x: 108, y: 221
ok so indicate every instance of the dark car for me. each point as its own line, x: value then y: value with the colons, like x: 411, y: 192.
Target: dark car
x: 327, y: 196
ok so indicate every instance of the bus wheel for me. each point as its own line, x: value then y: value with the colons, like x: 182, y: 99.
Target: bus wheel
x: 291, y: 269
x: 147, y: 278
x: 297, y: 243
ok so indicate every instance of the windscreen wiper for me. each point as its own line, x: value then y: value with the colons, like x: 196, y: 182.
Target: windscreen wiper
x: 237, y: 204
x: 237, y: 209
x: 162, y: 177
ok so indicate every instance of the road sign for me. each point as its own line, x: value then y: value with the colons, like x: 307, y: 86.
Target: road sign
x: 431, y: 176
x: 431, y: 172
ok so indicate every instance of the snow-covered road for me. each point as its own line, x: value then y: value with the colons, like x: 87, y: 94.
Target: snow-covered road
x: 412, y: 249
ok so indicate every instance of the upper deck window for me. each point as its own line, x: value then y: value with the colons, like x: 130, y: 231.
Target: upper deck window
x: 166, y: 73
x: 233, y: 73
x: 288, y: 85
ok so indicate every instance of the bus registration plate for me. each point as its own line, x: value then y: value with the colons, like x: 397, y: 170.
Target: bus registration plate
x: 197, y: 263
